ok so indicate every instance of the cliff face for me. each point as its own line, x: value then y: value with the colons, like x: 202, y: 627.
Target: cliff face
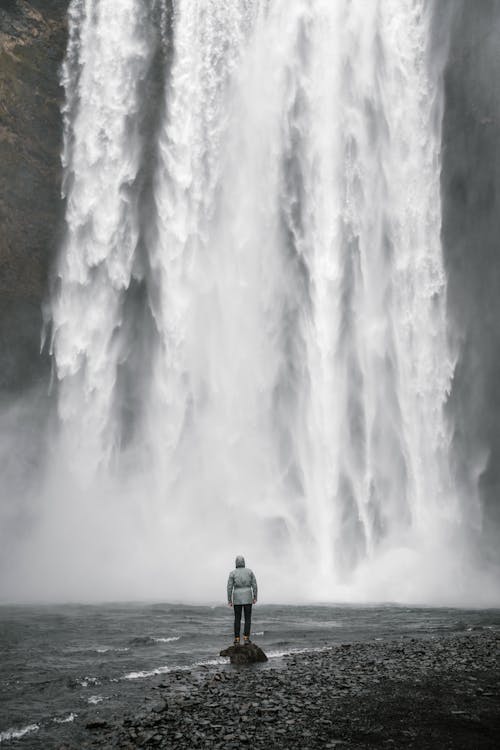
x: 32, y: 43
x: 471, y: 237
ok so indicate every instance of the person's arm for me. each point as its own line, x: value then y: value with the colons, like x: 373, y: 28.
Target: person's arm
x: 253, y: 583
x: 230, y: 586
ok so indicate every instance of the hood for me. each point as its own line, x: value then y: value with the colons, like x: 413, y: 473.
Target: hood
x: 240, y: 561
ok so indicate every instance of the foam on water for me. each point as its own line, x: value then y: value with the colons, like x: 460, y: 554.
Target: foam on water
x: 17, y: 734
x: 168, y: 640
x: 95, y: 699
x: 65, y: 720
x: 279, y: 653
x: 86, y: 681
x: 151, y: 672
x: 173, y: 668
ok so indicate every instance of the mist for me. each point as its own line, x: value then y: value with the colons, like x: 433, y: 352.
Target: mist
x: 271, y: 322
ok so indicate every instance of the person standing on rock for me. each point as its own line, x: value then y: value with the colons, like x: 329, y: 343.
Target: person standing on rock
x: 241, y: 594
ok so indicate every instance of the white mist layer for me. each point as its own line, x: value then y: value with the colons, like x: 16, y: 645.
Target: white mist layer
x: 279, y: 388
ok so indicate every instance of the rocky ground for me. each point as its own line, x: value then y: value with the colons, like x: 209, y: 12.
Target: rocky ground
x: 408, y: 693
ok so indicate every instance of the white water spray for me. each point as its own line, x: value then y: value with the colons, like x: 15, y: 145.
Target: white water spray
x: 278, y: 386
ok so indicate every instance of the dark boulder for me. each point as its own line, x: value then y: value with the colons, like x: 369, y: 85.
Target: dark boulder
x: 248, y: 654
x: 97, y: 724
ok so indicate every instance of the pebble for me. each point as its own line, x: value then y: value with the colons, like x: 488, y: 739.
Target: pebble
x: 406, y: 693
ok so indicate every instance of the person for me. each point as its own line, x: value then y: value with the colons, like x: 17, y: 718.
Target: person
x: 241, y: 594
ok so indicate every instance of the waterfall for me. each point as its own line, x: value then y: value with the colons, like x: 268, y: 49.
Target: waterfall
x: 249, y: 321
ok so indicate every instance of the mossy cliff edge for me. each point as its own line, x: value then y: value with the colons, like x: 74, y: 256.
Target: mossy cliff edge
x: 32, y: 44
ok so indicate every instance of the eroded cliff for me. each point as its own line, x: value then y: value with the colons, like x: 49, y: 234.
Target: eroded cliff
x: 32, y: 42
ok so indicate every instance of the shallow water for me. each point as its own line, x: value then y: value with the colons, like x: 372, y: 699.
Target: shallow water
x: 63, y: 665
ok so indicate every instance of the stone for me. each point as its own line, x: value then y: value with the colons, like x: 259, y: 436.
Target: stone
x: 96, y: 724
x: 247, y: 654
x: 32, y: 44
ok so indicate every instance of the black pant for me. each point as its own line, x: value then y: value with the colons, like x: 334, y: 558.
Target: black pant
x: 237, y: 619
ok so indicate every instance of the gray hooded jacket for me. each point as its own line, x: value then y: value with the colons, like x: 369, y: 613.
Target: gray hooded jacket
x: 241, y: 584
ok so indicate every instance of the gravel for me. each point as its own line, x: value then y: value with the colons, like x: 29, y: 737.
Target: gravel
x: 438, y: 693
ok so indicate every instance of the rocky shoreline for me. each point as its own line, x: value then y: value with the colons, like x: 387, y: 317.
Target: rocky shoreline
x: 423, y: 693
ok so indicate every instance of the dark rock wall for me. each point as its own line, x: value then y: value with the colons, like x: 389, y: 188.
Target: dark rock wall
x: 32, y: 43
x: 471, y: 236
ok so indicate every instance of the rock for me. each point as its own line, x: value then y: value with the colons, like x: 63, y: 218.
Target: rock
x: 248, y: 654
x: 32, y: 44
x: 300, y: 706
x: 96, y: 724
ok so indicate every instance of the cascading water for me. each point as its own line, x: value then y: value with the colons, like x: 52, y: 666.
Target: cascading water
x: 249, y: 325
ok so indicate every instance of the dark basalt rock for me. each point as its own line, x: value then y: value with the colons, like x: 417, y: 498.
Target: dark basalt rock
x: 424, y: 694
x: 97, y: 724
x: 249, y: 654
x: 32, y: 44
